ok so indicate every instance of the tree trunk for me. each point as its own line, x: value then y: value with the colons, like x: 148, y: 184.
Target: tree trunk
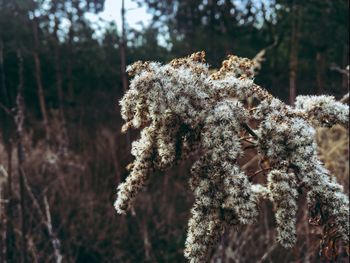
x: 10, y: 235
x: 293, y: 58
x: 70, y: 58
x: 39, y: 81
x: 3, y: 219
x: 320, y: 65
x: 123, y: 51
x: 122, y: 47
x: 8, y: 241
x: 19, y: 120
x: 64, y: 139
x: 2, y: 74
x: 345, y: 79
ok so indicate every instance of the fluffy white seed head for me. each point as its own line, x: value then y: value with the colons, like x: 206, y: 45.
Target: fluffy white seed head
x: 182, y: 109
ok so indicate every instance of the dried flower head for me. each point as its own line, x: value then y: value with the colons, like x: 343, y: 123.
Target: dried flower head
x: 182, y: 108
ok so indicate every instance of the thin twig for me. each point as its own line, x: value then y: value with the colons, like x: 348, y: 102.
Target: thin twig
x: 345, y: 98
x: 246, y: 140
x: 253, y: 109
x: 267, y: 253
x: 250, y: 131
x: 260, y: 171
x: 7, y: 110
x: 252, y: 146
x: 250, y: 162
x: 55, y: 241
x: 46, y: 221
x: 335, y: 67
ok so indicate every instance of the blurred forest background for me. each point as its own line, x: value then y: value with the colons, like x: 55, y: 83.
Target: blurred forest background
x: 61, y: 151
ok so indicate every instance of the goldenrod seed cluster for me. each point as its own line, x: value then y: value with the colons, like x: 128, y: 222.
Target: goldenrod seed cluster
x: 182, y: 108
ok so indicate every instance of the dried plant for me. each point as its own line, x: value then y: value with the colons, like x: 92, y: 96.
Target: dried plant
x: 183, y: 109
x: 334, y: 152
